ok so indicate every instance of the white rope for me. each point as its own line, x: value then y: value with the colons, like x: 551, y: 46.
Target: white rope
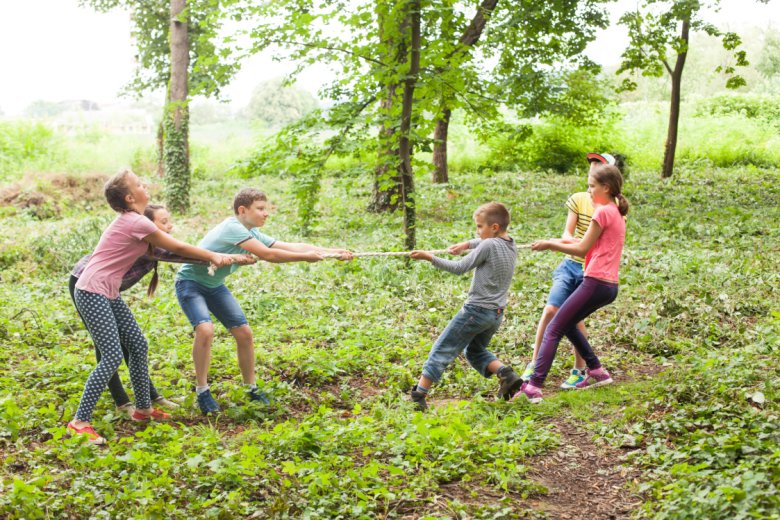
x: 402, y: 253
x: 213, y: 268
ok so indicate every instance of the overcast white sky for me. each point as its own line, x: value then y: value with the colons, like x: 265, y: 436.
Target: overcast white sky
x: 55, y: 50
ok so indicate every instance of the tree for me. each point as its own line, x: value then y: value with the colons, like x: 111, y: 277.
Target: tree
x: 187, y: 32
x: 277, y: 104
x: 508, y: 55
x: 659, y: 31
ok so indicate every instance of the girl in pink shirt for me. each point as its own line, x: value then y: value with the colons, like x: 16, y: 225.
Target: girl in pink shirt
x: 105, y: 314
x: 601, y: 246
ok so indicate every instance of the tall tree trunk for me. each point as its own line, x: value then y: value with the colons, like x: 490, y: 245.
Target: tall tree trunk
x: 176, y: 151
x: 674, y: 109
x: 468, y: 39
x: 440, y: 170
x: 405, y: 145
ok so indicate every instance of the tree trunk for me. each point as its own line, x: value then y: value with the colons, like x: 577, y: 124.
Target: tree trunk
x: 385, y: 195
x: 176, y: 152
x: 674, y: 109
x: 404, y: 144
x: 440, y: 171
x: 468, y: 39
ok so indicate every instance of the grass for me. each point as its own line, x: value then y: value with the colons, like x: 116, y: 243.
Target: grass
x: 339, y: 345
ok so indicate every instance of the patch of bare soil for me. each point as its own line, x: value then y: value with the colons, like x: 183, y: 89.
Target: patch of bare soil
x: 44, y: 193
x: 583, y: 479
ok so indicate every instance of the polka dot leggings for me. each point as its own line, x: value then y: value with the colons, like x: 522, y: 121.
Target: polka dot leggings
x: 111, y: 325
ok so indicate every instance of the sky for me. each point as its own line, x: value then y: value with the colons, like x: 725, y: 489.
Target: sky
x: 55, y: 50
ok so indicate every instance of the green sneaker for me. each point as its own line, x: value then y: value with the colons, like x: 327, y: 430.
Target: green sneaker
x: 577, y: 376
x: 528, y: 372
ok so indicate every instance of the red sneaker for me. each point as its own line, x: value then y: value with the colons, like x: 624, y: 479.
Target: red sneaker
x: 155, y: 415
x: 88, y: 430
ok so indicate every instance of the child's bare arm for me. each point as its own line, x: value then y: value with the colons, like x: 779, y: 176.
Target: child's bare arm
x: 458, y: 248
x: 165, y: 241
x: 571, y: 225
x: 300, y: 247
x: 278, y: 255
x: 580, y: 248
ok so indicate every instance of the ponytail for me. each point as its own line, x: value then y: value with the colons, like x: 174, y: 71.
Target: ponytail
x: 153, y: 282
x: 622, y: 203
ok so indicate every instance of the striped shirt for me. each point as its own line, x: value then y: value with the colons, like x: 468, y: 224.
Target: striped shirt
x: 494, y: 262
x: 581, y: 204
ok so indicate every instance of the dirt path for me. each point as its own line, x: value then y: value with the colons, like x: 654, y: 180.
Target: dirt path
x: 583, y: 479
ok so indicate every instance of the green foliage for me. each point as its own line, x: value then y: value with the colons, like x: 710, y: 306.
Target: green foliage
x: 176, y: 157
x: 276, y: 104
x: 339, y: 344
x: 23, y: 144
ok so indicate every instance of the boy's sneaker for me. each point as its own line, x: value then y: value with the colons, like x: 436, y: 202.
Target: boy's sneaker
x: 528, y: 372
x: 127, y: 409
x: 258, y: 396
x: 577, y: 376
x: 418, y: 398
x: 510, y: 382
x: 594, y: 378
x: 89, y: 431
x: 155, y: 415
x: 161, y: 401
x: 206, y: 403
x: 530, y: 392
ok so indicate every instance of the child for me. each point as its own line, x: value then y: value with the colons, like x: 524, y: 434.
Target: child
x: 568, y: 275
x: 601, y: 246
x: 201, y: 295
x: 493, y: 258
x: 100, y: 305
x: 148, y: 262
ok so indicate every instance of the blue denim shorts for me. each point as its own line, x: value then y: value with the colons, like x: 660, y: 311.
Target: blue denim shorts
x: 198, y: 302
x: 566, y: 278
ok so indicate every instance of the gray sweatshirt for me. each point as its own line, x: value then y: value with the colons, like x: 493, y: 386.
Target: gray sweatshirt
x: 494, y: 260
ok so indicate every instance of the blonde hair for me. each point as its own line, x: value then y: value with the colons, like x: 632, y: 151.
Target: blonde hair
x: 494, y: 213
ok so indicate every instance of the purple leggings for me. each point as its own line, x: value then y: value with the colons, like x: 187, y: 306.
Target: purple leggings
x: 592, y: 294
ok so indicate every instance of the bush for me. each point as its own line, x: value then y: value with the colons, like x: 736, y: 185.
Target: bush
x: 23, y: 142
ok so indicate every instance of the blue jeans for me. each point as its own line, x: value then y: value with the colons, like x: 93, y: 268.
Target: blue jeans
x: 198, y: 302
x: 470, y: 330
x: 566, y: 278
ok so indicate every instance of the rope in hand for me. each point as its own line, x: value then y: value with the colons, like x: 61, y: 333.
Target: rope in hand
x: 213, y: 268
x: 403, y: 253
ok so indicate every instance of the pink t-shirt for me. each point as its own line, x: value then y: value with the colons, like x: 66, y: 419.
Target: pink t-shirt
x: 120, y: 246
x: 603, y: 259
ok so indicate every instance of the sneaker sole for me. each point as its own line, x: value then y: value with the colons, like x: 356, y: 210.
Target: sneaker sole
x: 594, y: 385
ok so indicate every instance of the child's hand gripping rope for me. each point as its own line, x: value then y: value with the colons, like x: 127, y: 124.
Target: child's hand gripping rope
x: 221, y: 260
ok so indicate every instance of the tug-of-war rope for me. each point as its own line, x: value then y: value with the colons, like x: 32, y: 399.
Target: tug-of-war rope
x: 212, y: 268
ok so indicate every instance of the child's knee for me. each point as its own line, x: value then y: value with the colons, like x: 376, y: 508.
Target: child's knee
x: 205, y: 332
x: 549, y: 312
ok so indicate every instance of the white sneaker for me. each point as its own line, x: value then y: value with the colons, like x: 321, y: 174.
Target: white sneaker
x: 165, y: 403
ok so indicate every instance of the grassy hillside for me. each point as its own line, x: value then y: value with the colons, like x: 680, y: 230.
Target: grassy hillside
x: 695, y: 332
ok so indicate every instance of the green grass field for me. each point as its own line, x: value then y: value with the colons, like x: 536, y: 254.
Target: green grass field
x: 693, y: 342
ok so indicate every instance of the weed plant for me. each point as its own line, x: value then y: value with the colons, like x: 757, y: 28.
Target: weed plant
x: 340, y: 344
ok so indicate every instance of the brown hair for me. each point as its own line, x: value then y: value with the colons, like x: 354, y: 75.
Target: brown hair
x: 609, y: 176
x: 149, y: 212
x: 494, y: 213
x: 245, y: 197
x: 116, y: 190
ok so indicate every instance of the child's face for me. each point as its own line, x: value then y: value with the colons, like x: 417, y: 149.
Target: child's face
x: 485, y: 230
x: 162, y: 219
x: 599, y: 193
x: 137, y: 192
x: 256, y: 213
